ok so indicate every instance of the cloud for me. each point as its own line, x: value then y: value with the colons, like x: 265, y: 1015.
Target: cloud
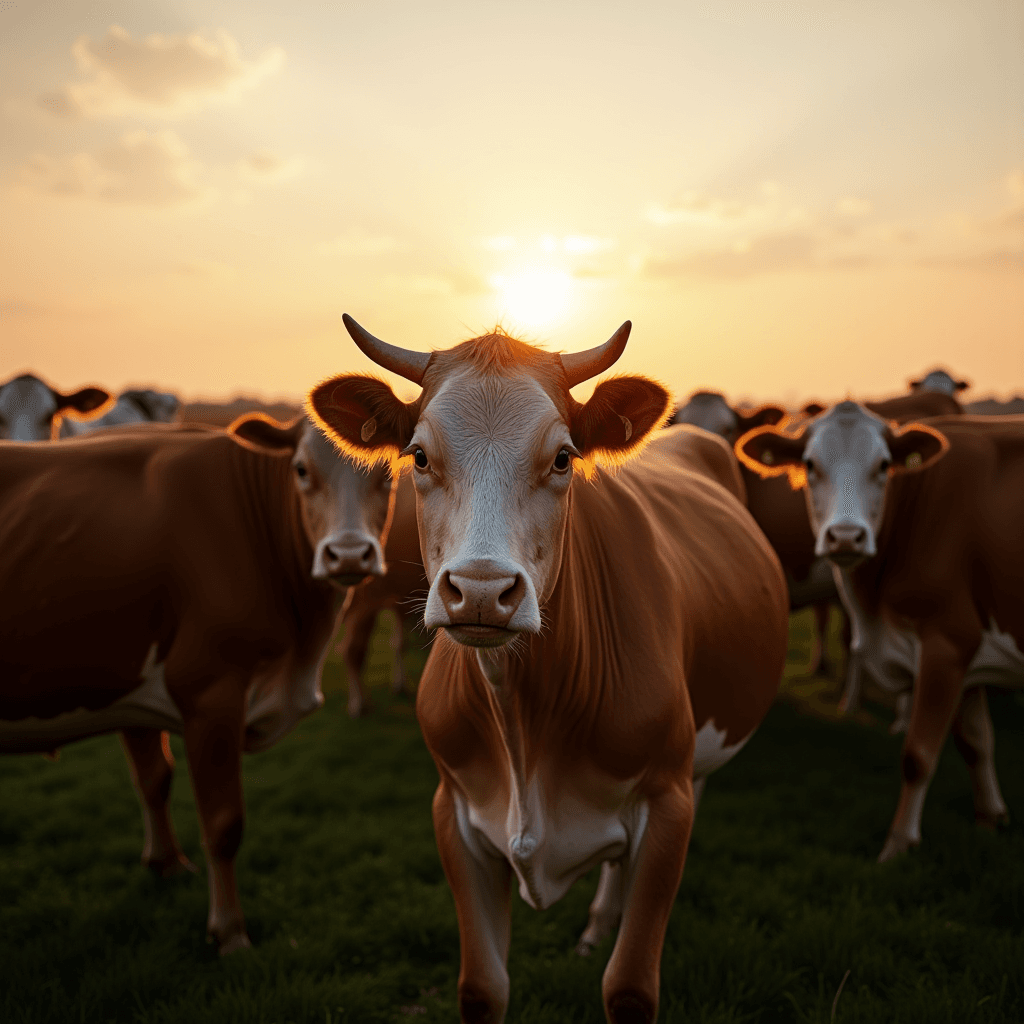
x: 770, y: 253
x: 164, y: 74
x: 141, y: 169
x: 266, y: 166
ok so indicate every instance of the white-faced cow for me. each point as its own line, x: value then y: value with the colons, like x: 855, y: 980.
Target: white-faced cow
x: 28, y: 406
x: 606, y: 644
x: 135, y: 405
x: 925, y: 522
x: 181, y: 579
x: 940, y: 381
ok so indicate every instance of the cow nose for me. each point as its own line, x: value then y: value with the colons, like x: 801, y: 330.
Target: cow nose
x: 845, y: 537
x: 346, y: 559
x: 481, y: 593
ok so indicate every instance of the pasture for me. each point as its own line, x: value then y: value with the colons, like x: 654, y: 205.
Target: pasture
x: 352, y: 920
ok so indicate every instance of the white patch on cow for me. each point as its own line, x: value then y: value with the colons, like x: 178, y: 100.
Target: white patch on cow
x: 279, y: 700
x: 710, y: 751
x: 147, y: 706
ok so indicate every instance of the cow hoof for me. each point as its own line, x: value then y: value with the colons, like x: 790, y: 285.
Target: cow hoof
x: 898, y: 727
x: 478, y: 1009
x: 360, y: 710
x: 895, y: 845
x: 631, y: 1008
x: 992, y: 822
x: 237, y: 941
x: 168, y: 867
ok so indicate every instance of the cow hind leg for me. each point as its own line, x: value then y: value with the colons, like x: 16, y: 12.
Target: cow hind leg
x: 974, y: 738
x: 937, y: 693
x: 152, y: 769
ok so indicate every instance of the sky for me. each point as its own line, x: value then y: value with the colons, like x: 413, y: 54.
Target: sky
x: 789, y: 200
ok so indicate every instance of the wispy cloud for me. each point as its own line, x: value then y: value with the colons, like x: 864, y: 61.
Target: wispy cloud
x: 141, y: 168
x: 163, y: 74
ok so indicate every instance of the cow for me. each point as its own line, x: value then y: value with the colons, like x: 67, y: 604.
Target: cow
x: 710, y: 411
x: 606, y: 640
x: 28, y: 406
x: 941, y: 382
x: 924, y: 521
x: 182, y: 579
x: 134, y: 405
x: 399, y: 592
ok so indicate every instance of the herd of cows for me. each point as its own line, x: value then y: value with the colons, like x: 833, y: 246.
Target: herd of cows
x: 610, y: 597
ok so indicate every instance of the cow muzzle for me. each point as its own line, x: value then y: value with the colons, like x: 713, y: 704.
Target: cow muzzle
x: 348, y: 559
x: 482, y: 602
x: 846, y: 544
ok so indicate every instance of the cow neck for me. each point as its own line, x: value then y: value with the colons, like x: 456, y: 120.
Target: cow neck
x: 548, y: 692
x: 276, y: 532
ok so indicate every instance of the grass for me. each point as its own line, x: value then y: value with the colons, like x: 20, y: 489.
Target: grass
x: 352, y: 920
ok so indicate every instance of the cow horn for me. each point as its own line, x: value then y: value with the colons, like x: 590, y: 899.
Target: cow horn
x: 411, y: 365
x: 581, y: 366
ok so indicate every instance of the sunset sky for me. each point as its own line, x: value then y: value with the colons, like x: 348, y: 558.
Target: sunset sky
x: 789, y: 199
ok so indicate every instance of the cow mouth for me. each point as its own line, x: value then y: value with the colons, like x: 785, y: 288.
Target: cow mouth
x: 344, y: 580
x: 476, y: 635
x: 846, y: 559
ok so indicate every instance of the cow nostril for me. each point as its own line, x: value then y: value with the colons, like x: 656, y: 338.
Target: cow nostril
x: 368, y: 554
x: 450, y: 594
x: 514, y: 594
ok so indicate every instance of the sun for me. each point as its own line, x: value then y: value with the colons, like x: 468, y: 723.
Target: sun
x: 533, y: 298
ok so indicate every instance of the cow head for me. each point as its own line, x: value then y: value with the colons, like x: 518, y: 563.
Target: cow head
x: 28, y: 406
x: 845, y: 459
x: 346, y: 507
x: 941, y: 381
x: 710, y: 411
x: 495, y: 439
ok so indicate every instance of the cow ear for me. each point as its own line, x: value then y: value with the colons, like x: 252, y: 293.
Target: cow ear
x: 767, y: 452
x: 916, y: 447
x: 812, y: 408
x: 619, y: 418
x: 766, y: 415
x: 83, y: 401
x: 262, y: 433
x: 363, y: 417
x: 962, y: 385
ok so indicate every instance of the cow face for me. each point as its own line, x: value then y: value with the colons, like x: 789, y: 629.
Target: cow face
x: 710, y: 411
x: 346, y: 507
x: 845, y: 460
x: 495, y: 441
x: 28, y: 406
x: 940, y: 381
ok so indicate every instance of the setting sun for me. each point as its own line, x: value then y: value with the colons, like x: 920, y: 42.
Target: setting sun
x: 533, y: 298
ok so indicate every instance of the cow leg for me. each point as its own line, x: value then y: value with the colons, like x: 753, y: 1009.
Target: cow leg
x: 354, y: 645
x: 818, y: 638
x: 399, y: 683
x: 974, y: 738
x: 606, y: 907
x: 214, y: 722
x: 480, y: 885
x: 904, y: 705
x: 937, y: 693
x: 152, y: 769
x: 651, y: 879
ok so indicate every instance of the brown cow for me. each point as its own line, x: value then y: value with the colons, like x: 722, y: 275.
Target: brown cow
x: 400, y: 591
x: 607, y: 644
x: 925, y: 521
x: 183, y: 579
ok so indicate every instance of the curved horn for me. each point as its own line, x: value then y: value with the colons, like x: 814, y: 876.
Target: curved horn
x: 411, y: 365
x: 581, y: 366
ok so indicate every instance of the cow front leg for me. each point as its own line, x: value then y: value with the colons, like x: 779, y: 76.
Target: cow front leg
x: 937, y: 692
x: 819, y: 639
x: 480, y: 885
x: 354, y: 645
x: 974, y: 738
x: 152, y: 770
x: 650, y: 881
x: 399, y: 682
x: 213, y: 730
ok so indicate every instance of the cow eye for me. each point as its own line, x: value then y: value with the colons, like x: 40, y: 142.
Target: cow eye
x: 562, y: 461
x: 300, y: 470
x: 420, y: 458
x: 810, y: 465
x: 883, y: 466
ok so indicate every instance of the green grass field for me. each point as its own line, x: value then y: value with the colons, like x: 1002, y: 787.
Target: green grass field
x: 352, y: 920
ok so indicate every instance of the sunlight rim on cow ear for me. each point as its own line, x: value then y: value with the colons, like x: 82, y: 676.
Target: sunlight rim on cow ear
x: 262, y: 433
x: 84, y: 404
x: 618, y: 421
x: 364, y: 418
x: 769, y: 452
x: 763, y: 416
x: 916, y: 439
